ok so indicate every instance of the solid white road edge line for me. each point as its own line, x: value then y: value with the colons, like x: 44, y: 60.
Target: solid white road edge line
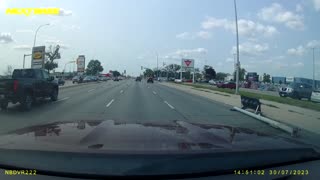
x: 169, y: 105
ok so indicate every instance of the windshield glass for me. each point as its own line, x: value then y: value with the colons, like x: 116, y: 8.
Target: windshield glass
x: 151, y: 77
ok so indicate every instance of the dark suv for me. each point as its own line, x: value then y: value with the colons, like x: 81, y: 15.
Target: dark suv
x: 296, y: 90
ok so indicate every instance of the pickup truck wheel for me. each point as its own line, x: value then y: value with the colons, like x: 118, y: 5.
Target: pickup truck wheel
x: 27, y: 102
x: 4, y: 105
x: 54, y: 95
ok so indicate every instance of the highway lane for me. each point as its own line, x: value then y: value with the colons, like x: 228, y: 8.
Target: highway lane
x: 128, y: 101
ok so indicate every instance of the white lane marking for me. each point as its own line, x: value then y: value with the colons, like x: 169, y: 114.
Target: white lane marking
x: 169, y: 105
x: 110, y: 103
x: 63, y: 99
x: 121, y: 91
x: 91, y: 90
x: 154, y: 92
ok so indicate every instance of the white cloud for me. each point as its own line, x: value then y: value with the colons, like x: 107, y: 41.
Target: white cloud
x: 188, y: 52
x: 22, y: 47
x: 302, y: 49
x: 219, y: 64
x: 299, y: 64
x: 204, y: 34
x: 299, y: 51
x: 245, y: 27
x: 276, y: 13
x: 64, y: 46
x: 5, y: 38
x: 229, y: 60
x: 251, y: 49
x: 184, y: 35
x: 313, y: 44
x: 299, y: 8
x: 316, y: 4
x: 53, y: 41
x: 70, y: 27
x: 64, y: 12
x: 212, y: 23
x: 189, y: 36
x: 24, y: 31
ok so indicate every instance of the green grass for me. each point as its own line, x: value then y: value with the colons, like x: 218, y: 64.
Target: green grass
x: 289, y: 101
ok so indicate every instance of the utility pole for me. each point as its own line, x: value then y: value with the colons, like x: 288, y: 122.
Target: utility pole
x: 313, y: 84
x: 24, y: 58
x: 238, y: 63
x: 35, y: 35
x: 157, y: 66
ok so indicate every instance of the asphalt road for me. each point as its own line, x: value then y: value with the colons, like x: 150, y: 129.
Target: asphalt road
x: 130, y: 102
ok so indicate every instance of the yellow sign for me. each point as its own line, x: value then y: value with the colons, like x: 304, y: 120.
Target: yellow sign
x: 33, y: 11
x: 37, y: 55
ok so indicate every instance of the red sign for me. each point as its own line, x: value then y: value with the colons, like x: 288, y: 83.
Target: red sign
x: 187, y: 62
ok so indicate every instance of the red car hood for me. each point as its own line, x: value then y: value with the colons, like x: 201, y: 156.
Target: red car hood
x: 104, y: 136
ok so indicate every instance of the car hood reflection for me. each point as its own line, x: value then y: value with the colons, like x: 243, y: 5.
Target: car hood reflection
x: 102, y: 136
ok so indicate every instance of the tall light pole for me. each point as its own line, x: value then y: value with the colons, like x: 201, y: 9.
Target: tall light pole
x: 35, y: 35
x: 313, y: 84
x: 238, y: 63
x: 157, y: 65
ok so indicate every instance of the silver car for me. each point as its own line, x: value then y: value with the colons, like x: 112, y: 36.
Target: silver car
x: 315, y: 95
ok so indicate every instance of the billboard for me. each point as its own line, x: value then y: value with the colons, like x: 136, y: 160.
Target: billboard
x: 187, y: 64
x: 38, y: 57
x: 81, y: 63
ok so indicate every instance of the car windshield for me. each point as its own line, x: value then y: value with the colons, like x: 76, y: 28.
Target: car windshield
x: 104, y: 79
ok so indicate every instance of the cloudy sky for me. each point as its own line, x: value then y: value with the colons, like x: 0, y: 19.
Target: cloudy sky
x: 276, y: 37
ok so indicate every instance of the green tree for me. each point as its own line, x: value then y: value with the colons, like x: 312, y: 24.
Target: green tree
x: 242, y: 72
x: 115, y: 73
x: 221, y: 75
x: 148, y: 73
x: 52, y: 54
x: 94, y: 67
x: 209, y: 72
x: 50, y: 65
x: 266, y: 77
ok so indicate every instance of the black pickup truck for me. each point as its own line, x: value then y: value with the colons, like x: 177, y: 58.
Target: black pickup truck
x: 25, y: 86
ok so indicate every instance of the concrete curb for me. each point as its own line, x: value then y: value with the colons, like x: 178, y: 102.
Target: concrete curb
x: 293, y: 131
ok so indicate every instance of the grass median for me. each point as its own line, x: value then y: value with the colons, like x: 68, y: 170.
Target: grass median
x: 289, y: 101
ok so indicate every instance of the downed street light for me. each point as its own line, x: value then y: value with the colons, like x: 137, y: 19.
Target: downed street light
x: 251, y: 103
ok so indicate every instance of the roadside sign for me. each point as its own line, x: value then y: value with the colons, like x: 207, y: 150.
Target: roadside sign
x: 38, y: 57
x: 187, y: 63
x: 81, y: 61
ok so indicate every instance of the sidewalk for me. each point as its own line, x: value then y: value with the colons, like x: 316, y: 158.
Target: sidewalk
x: 296, y: 116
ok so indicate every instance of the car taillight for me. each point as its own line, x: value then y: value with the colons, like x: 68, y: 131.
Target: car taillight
x: 15, y: 85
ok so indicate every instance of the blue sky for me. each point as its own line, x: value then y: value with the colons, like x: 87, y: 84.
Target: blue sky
x: 276, y: 37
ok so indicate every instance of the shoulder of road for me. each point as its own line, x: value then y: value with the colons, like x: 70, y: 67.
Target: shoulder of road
x: 301, y: 117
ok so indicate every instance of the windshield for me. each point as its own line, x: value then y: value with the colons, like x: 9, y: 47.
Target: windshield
x: 172, y: 77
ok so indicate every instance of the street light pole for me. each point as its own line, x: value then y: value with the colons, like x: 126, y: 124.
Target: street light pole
x: 157, y: 67
x: 35, y: 35
x: 24, y: 58
x: 313, y: 84
x: 238, y: 63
